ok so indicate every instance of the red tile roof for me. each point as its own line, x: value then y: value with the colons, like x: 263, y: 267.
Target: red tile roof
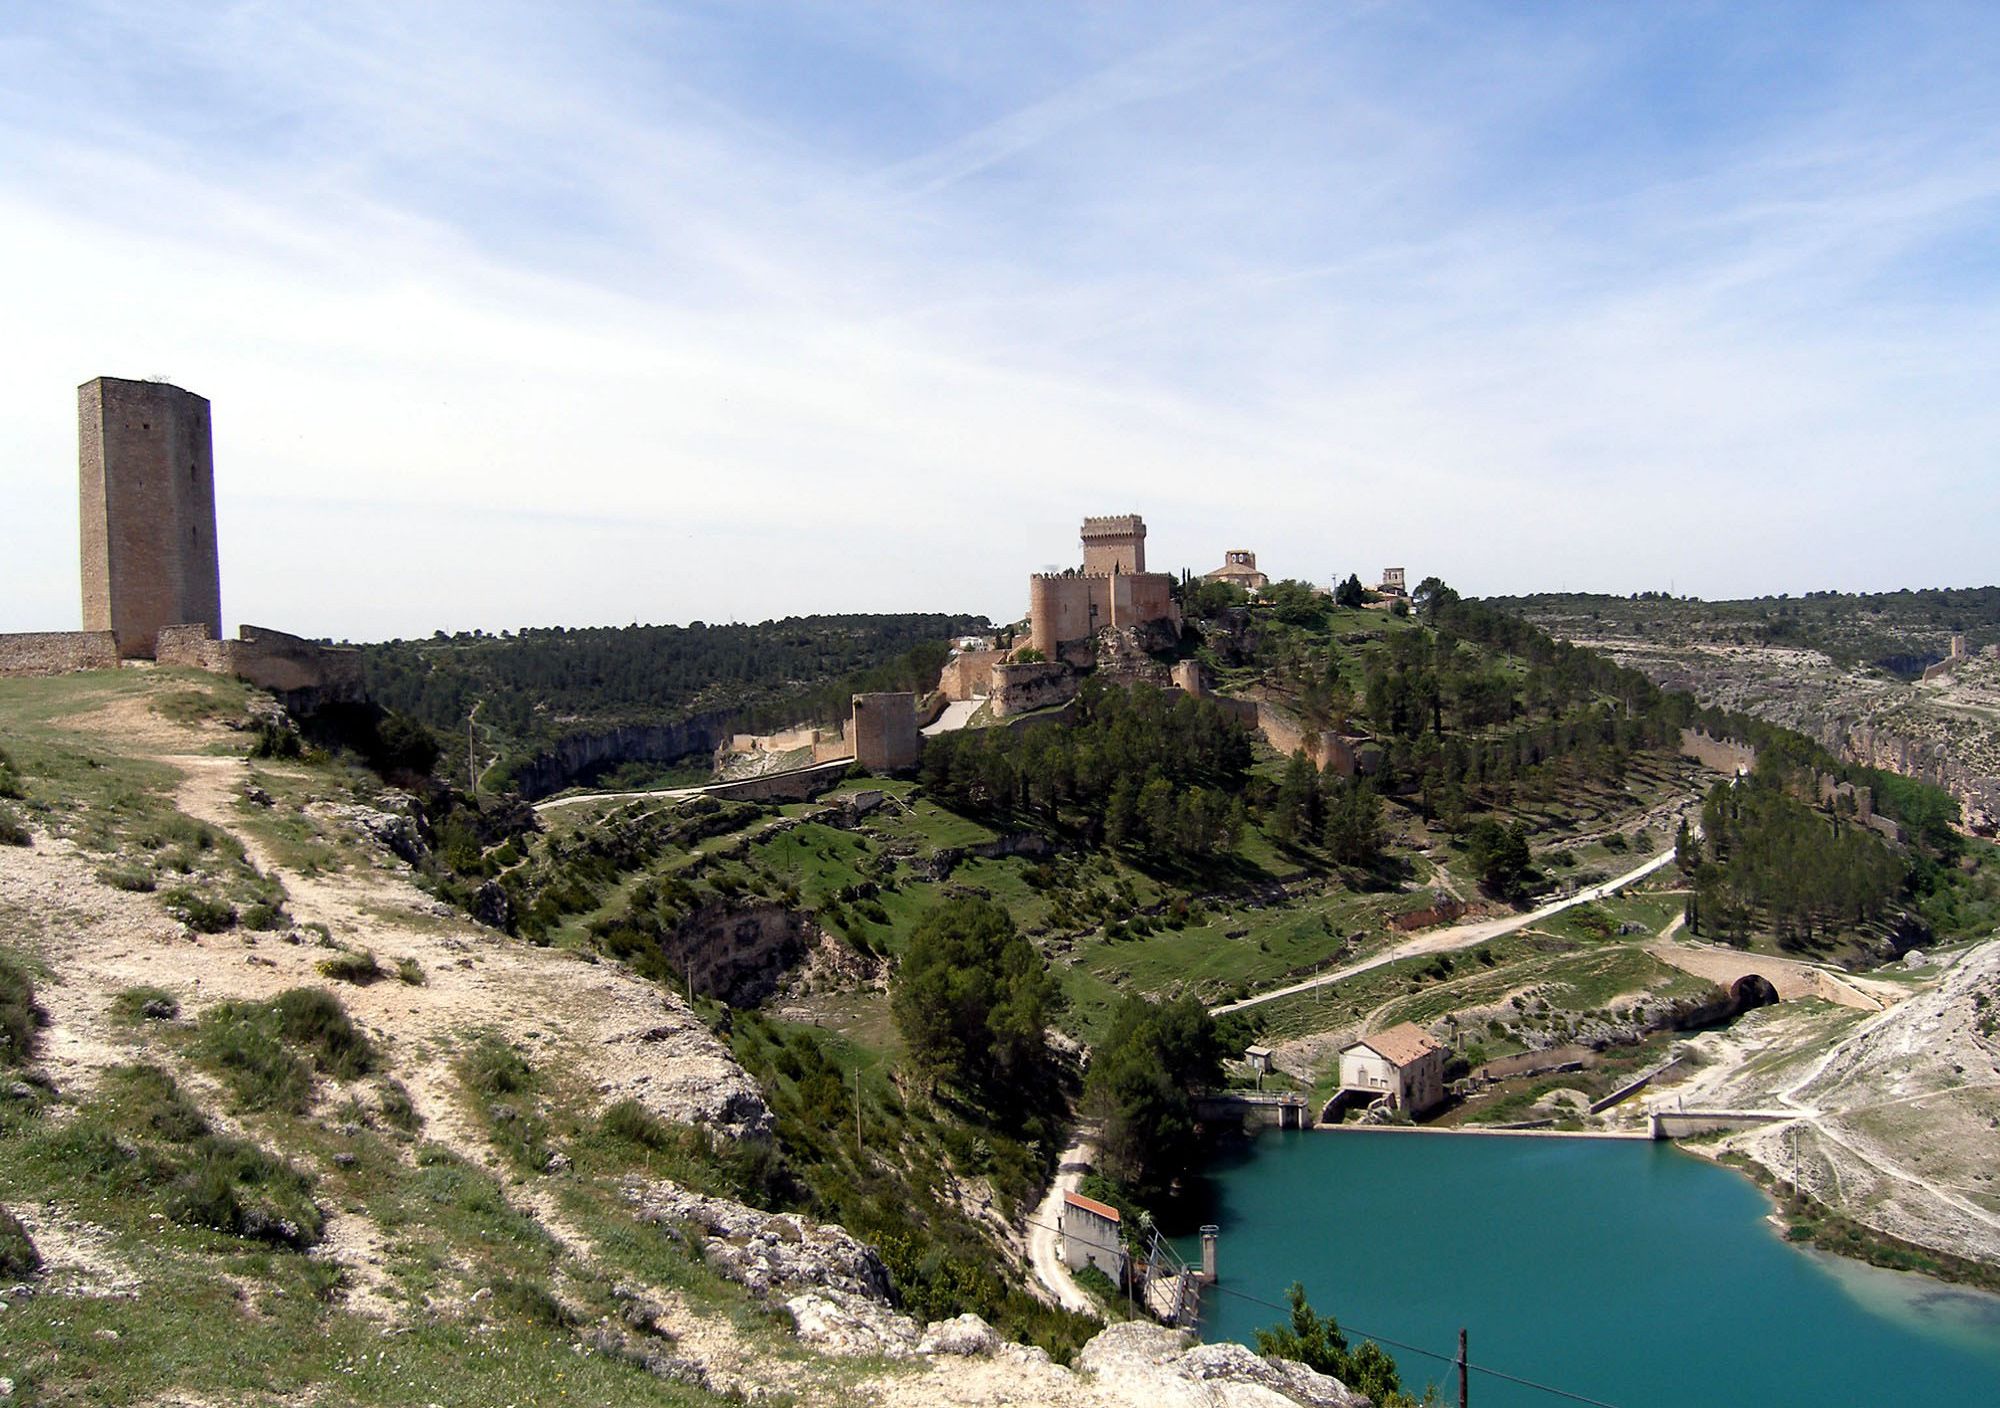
x: 1077, y: 1200
x: 1401, y: 1045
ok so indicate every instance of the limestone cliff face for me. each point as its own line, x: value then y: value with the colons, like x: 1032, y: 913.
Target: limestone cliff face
x: 738, y: 953
x: 579, y: 754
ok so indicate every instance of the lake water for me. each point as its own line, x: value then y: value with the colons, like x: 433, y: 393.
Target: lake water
x: 1624, y: 1271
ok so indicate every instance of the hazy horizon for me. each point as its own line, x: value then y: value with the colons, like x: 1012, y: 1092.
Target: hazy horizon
x: 515, y: 317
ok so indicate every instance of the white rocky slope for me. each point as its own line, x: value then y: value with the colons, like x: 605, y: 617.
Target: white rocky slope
x: 1900, y: 1122
x: 618, y: 1035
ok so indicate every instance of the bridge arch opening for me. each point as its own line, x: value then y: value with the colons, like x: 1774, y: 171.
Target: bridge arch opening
x: 1752, y: 990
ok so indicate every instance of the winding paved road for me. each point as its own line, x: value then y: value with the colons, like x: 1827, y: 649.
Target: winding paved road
x: 1456, y: 937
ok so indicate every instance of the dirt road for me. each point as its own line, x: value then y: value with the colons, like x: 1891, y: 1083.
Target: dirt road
x: 1043, y: 1253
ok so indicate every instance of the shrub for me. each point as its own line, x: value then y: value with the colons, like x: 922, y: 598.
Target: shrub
x: 410, y: 971
x: 495, y: 1068
x: 1093, y: 1279
x: 233, y: 1186
x: 18, y: 1257
x: 20, y: 1015
x: 357, y: 966
x: 533, y: 1302
x: 314, y: 1019
x: 12, y: 833
x: 10, y: 778
x: 263, y: 917
x: 276, y: 740
x: 136, y: 878
x: 250, y: 1042
x: 152, y: 1101
x: 146, y: 1004
x: 632, y: 1122
x: 205, y: 914
x: 398, y: 1109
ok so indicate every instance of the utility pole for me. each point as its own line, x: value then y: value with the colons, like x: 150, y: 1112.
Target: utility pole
x: 1461, y: 1367
x: 472, y: 754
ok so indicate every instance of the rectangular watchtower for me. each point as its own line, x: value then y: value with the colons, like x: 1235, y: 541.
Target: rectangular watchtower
x: 147, y: 505
x: 1114, y: 544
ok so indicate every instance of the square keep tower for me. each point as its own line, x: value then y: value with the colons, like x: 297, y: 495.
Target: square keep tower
x: 147, y: 505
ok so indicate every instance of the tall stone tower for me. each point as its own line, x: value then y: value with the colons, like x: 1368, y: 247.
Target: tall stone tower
x: 1114, y: 544
x: 148, y: 511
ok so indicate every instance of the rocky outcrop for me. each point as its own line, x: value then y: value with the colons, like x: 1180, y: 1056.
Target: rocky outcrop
x: 1902, y: 1136
x: 392, y: 823
x: 769, y: 1252
x: 738, y: 953
x: 676, y: 1069
x: 579, y: 755
x: 1162, y: 1368
x: 946, y: 859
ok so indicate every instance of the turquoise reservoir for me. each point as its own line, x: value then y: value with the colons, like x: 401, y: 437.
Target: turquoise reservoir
x: 1624, y: 1271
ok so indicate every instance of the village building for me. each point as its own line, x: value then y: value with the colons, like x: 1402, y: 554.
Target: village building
x: 1239, y: 569
x: 1404, y: 1063
x: 1091, y: 1236
x: 1392, y: 583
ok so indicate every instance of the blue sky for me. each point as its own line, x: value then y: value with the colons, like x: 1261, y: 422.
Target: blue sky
x: 525, y: 314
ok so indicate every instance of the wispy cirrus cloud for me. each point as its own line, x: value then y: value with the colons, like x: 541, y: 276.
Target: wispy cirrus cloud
x: 512, y: 315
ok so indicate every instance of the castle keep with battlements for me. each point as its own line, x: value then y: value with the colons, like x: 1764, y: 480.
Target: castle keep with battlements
x: 1114, y: 589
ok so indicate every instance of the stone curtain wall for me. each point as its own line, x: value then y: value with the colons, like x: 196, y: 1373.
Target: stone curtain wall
x: 191, y: 648
x: 57, y: 652
x: 969, y: 674
x: 1017, y: 689
x: 1720, y: 754
x: 304, y: 674
x: 1288, y: 734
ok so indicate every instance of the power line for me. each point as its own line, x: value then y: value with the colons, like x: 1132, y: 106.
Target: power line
x: 1359, y: 1332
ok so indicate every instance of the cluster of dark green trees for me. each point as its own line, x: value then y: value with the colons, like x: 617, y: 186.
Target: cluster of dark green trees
x: 971, y: 999
x: 1769, y: 862
x: 1316, y: 1342
x: 1144, y: 1077
x: 772, y: 673
x: 1341, y: 814
x: 1146, y: 768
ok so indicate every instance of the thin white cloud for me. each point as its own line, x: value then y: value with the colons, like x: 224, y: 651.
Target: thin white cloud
x: 510, y: 321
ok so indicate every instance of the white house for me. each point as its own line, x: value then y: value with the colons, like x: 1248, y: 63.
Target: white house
x: 1090, y: 1233
x: 1404, y: 1062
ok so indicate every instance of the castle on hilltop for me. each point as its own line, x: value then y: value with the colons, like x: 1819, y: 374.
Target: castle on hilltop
x: 1067, y: 610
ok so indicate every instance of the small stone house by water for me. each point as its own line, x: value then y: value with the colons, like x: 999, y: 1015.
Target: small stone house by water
x: 1405, y: 1063
x: 1090, y: 1233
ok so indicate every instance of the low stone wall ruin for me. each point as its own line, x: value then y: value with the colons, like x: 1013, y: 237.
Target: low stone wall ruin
x: 303, y: 673
x: 1018, y: 689
x: 57, y: 652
